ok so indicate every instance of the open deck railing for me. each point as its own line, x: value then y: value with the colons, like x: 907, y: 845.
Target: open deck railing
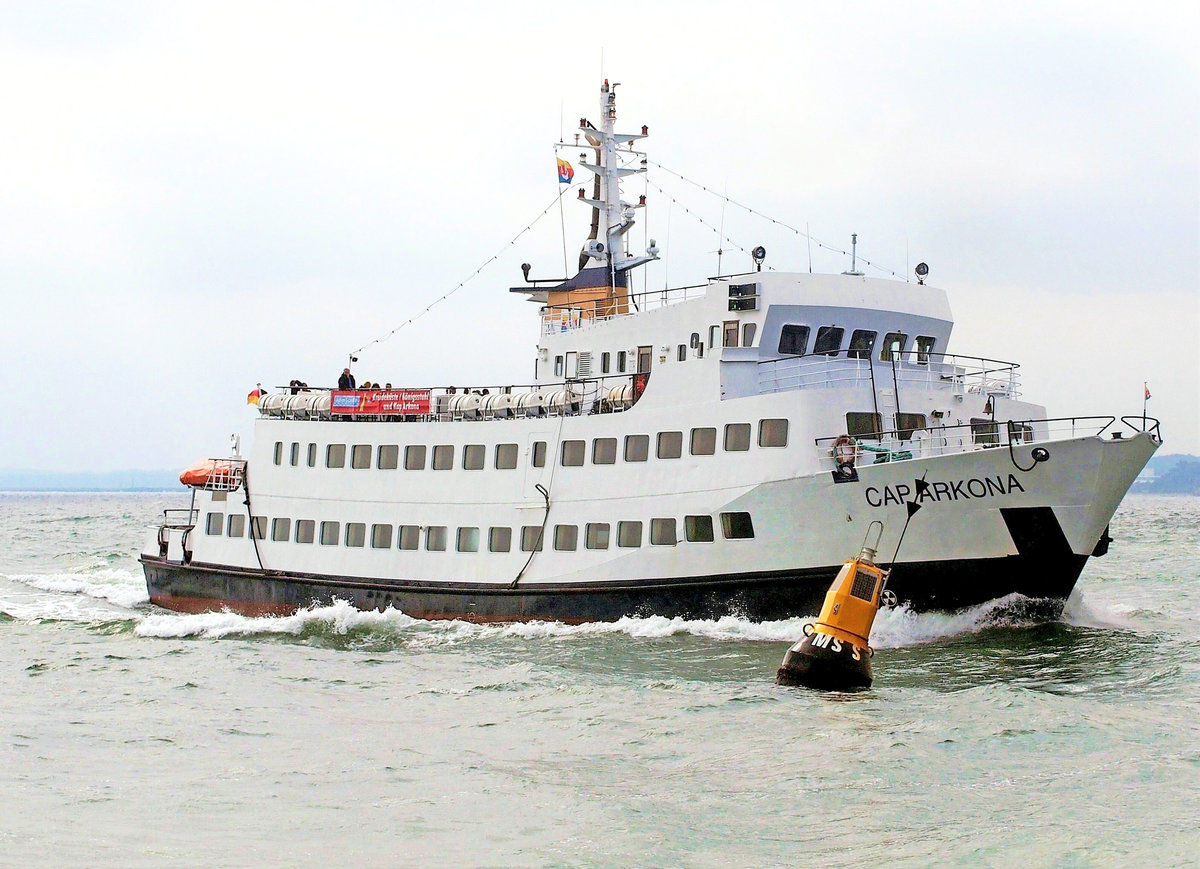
x: 911, y: 370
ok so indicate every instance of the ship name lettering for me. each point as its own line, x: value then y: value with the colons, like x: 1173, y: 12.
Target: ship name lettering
x: 969, y: 489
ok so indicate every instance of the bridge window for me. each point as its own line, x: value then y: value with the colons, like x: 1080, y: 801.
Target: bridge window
x: 499, y: 539
x: 662, y: 532
x: 985, y: 431
x: 356, y: 534
x: 474, y: 455
x: 629, y: 534
x: 281, y: 530
x: 731, y: 333
x: 443, y: 457
x: 793, y: 339
x: 468, y: 540
x: 829, y: 340
x: 925, y: 347
x: 435, y: 538
x: 360, y: 456
x: 861, y: 343
x: 604, y: 451
x: 408, y: 536
x: 637, y: 448
x: 772, y: 432
x: 279, y: 452
x: 748, y: 332
x: 305, y: 530
x: 865, y: 426
x: 737, y: 526
x: 506, y: 456
x: 389, y: 456
x: 737, y: 437
x: 698, y: 529
x: 907, y: 423
x: 670, y: 444
x: 572, y: 453
x: 335, y: 456
x: 596, y: 536
x: 414, y: 457
x: 893, y: 347
x: 381, y: 536
x: 566, y: 537
x: 330, y: 532
x: 237, y: 525
x: 704, y: 441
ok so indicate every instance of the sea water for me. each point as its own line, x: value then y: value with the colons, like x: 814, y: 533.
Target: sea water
x: 134, y: 736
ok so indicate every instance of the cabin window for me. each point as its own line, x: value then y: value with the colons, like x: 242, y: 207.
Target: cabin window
x: 793, y: 339
x: 604, y: 451
x: 281, y: 530
x: 214, y: 524
x: 681, y: 353
x: 443, y: 457
x: 772, y: 432
x: 662, y: 532
x: 330, y: 532
x: 737, y: 437
x: 604, y: 360
x: 714, y: 332
x: 531, y: 538
x: 539, y: 454
x: 381, y: 536
x: 925, y: 347
x: 335, y: 456
x: 596, y: 535
x: 985, y: 431
x: 389, y: 456
x: 360, y: 456
x: 312, y: 455
x: 356, y: 534
x: 566, y: 537
x: 748, y: 332
x: 670, y: 445
x: 644, y: 357
x: 279, y: 452
x: 700, y: 350
x: 862, y: 341
x: 506, y: 456
x: 621, y: 362
x: 468, y: 540
x: 704, y: 441
x: 698, y: 529
x: 629, y: 534
x: 1019, y: 432
x: 637, y: 448
x: 237, y: 525
x: 829, y: 340
x: 295, y: 456
x: 907, y: 423
x: 414, y: 457
x: 558, y: 366
x: 435, y: 538
x: 572, y: 453
x: 893, y: 347
x: 408, y: 536
x: 730, y: 334
x: 474, y: 456
x: 499, y: 539
x: 258, y: 528
x: 737, y: 526
x: 864, y: 426
x: 305, y: 530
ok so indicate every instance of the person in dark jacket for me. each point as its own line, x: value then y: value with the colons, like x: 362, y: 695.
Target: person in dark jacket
x: 346, y: 381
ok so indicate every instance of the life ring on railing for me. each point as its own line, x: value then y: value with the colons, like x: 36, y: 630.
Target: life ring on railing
x: 845, y: 450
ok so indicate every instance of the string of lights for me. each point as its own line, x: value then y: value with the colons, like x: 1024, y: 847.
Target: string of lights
x: 724, y: 238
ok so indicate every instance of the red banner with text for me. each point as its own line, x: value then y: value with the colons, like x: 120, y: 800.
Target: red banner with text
x: 381, y: 401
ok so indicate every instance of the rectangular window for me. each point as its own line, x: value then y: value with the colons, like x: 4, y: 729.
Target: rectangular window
x: 861, y: 343
x: 381, y: 536
x: 621, y: 361
x: 604, y: 451
x: 893, y: 347
x: 864, y: 426
x: 681, y: 353
x: 772, y: 432
x: 214, y: 524
x: 408, y: 536
x: 698, y: 529
x: 499, y: 539
x: 281, y: 530
x: 737, y: 437
x: 360, y: 456
x: 629, y: 534
x: 414, y: 457
x: 637, y: 448
x: 279, y: 452
x: 596, y: 535
x: 531, y: 538
x: 330, y: 532
x: 604, y: 360
x: 704, y: 441
x: 312, y: 455
x: 925, y: 347
x: 506, y: 456
x: 572, y: 453
x: 748, y: 332
x: 389, y: 457
x: 793, y: 339
x: 295, y: 455
x: 566, y: 537
x: 356, y: 534
x: 829, y: 340
x: 736, y: 526
x: 714, y: 333
x: 435, y: 538
x: 730, y: 334
x: 474, y: 455
x: 985, y: 431
x: 539, y: 454
x: 305, y: 530
x: 335, y: 456
x: 670, y: 445
x: 558, y: 366
x: 468, y: 540
x: 237, y: 525
x: 907, y: 423
x: 662, y: 532
x: 258, y: 528
x: 443, y: 457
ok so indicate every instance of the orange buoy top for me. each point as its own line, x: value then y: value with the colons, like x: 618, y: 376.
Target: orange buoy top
x: 852, y: 601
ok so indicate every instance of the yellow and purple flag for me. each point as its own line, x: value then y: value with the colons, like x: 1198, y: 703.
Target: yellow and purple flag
x: 565, y: 172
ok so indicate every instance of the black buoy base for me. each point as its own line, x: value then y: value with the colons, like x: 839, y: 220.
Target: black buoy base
x: 825, y: 662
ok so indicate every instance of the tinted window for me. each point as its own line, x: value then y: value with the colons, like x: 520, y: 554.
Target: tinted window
x: 893, y: 347
x: 499, y: 539
x: 597, y: 535
x: 924, y: 348
x: 604, y: 451
x: 670, y: 444
x: 772, y: 432
x: 381, y: 536
x: 531, y: 538
x: 329, y: 533
x: 435, y: 538
x: 864, y: 425
x: 572, y: 453
x: 985, y: 431
x: 237, y: 525
x: 468, y: 540
x: 566, y: 537
x: 356, y: 533
x: 637, y: 448
x: 408, y: 536
x: 278, y: 452
x: 736, y: 526
x: 258, y: 528
x: 748, y: 332
x: 662, y: 532
x: 861, y: 343
x: 295, y: 458
x: 389, y: 455
x: 281, y: 529
x: 443, y: 458
x: 214, y: 523
x: 698, y: 529
x: 737, y: 437
x: 629, y: 534
x: 312, y: 455
x: 907, y: 423
x: 539, y: 454
x: 506, y: 456
x: 360, y: 456
x: 793, y: 339
x: 829, y: 340
x: 704, y: 441
x: 474, y: 455
x: 335, y: 456
x: 414, y: 457
x: 305, y: 530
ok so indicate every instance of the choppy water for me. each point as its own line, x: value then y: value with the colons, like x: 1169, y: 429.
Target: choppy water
x: 132, y: 736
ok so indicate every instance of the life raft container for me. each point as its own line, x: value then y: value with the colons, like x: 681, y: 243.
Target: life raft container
x: 214, y: 474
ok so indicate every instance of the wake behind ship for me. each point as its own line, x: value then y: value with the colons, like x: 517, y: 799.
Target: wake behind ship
x: 697, y: 452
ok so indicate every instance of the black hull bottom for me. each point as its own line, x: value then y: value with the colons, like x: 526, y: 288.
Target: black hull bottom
x: 938, y: 585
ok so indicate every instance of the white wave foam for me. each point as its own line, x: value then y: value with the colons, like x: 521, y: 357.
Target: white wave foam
x: 340, y: 616
x: 120, y: 587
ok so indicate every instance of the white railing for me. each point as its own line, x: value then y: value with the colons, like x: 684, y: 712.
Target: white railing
x: 566, y: 318
x: 958, y: 374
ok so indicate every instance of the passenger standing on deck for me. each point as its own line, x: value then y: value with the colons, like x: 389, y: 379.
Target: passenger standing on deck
x: 346, y: 381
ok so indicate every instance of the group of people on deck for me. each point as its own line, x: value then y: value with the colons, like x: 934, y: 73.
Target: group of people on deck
x: 346, y: 381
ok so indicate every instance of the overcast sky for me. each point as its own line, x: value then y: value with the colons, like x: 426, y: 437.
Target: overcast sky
x: 200, y: 196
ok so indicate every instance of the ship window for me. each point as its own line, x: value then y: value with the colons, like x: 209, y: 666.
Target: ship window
x: 506, y: 456
x: 893, y: 347
x: 793, y: 339
x: 558, y: 366
x: 474, y: 456
x: 566, y: 537
x: 539, y: 454
x: 1019, y: 432
x: 620, y: 361
x: 258, y: 528
x: 499, y: 539
x: 737, y: 437
x: 637, y: 448
x: 704, y: 441
x: 925, y: 347
x: 329, y: 533
x: 414, y: 457
x: 381, y: 536
x: 670, y: 445
x: 356, y: 534
x: 629, y: 534
x: 861, y: 343
x: 772, y: 432
x: 596, y: 536
x: 829, y: 340
x: 279, y: 452
x: 295, y: 457
x: 730, y: 334
x: 305, y: 530
x: 714, y: 332
x: 681, y: 353
x: 604, y: 451
x: 435, y: 538
x: 443, y: 457
x: 604, y: 362
x: 468, y: 540
x: 312, y: 455
x: 700, y: 350
x: 907, y: 423
x: 748, y: 332
x: 389, y: 456
x: 698, y: 529
x: 360, y: 456
x: 662, y: 532
x: 864, y: 426
x: 408, y: 536
x: 572, y: 453
x: 214, y: 524
x: 736, y: 526
x: 281, y: 530
x: 335, y: 456
x: 985, y: 431
x: 237, y: 525
x: 531, y: 538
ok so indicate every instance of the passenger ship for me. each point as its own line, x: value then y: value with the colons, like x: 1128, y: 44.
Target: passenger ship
x: 706, y: 451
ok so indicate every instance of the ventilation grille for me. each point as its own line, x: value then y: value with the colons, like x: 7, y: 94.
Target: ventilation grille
x: 585, y: 364
x: 864, y: 586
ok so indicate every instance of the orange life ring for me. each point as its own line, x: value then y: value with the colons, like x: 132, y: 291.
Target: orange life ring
x: 845, y: 450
